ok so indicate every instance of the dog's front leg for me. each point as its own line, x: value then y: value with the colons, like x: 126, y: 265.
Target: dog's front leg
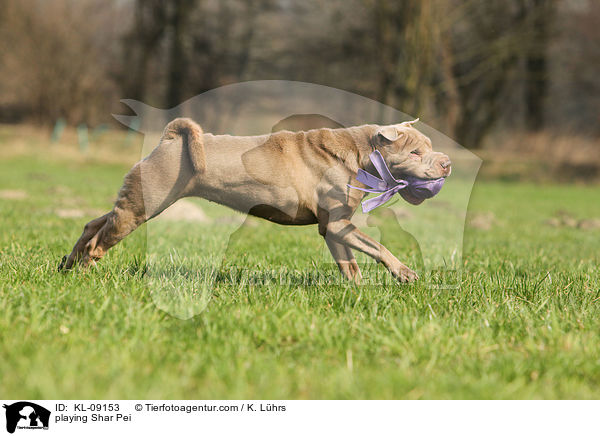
x: 344, y: 232
x: 345, y: 260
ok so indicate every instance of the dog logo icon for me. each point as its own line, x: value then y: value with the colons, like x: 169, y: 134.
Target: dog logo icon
x: 26, y: 415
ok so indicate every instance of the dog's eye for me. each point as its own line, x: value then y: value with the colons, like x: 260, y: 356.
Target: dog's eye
x: 415, y: 155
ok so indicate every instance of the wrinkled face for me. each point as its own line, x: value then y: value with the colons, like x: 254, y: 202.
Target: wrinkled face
x: 408, y: 152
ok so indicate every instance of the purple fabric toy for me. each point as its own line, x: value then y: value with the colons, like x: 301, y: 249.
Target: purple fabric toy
x: 418, y: 188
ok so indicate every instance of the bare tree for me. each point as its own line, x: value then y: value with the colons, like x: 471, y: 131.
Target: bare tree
x: 179, y: 21
x: 539, y: 15
x: 468, y: 66
x: 142, y: 44
x: 56, y: 58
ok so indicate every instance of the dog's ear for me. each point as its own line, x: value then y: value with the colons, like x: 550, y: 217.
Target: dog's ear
x: 386, y: 134
x: 409, y: 123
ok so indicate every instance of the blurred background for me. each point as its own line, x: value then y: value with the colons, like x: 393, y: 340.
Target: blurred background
x: 511, y: 78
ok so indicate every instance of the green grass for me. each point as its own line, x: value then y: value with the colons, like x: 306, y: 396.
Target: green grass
x: 524, y: 322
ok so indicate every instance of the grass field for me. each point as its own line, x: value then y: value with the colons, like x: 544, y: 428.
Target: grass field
x: 524, y: 323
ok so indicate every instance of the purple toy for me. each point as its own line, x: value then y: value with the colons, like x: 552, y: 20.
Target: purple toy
x: 418, y: 188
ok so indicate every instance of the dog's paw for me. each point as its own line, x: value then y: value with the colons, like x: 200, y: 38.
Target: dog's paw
x: 62, y: 263
x: 405, y: 275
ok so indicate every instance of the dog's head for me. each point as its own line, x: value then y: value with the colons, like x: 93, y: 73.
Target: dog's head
x: 408, y: 152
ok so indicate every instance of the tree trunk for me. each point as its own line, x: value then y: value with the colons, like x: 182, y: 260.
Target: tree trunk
x: 177, y: 60
x: 536, y: 67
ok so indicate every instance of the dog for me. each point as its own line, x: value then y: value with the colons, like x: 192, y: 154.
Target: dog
x: 290, y: 178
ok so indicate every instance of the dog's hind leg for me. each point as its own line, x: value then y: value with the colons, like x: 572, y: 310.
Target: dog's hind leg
x: 104, y: 232
x: 89, y: 231
x: 151, y: 186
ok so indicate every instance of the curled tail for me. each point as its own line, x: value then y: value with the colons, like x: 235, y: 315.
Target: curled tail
x: 192, y: 133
